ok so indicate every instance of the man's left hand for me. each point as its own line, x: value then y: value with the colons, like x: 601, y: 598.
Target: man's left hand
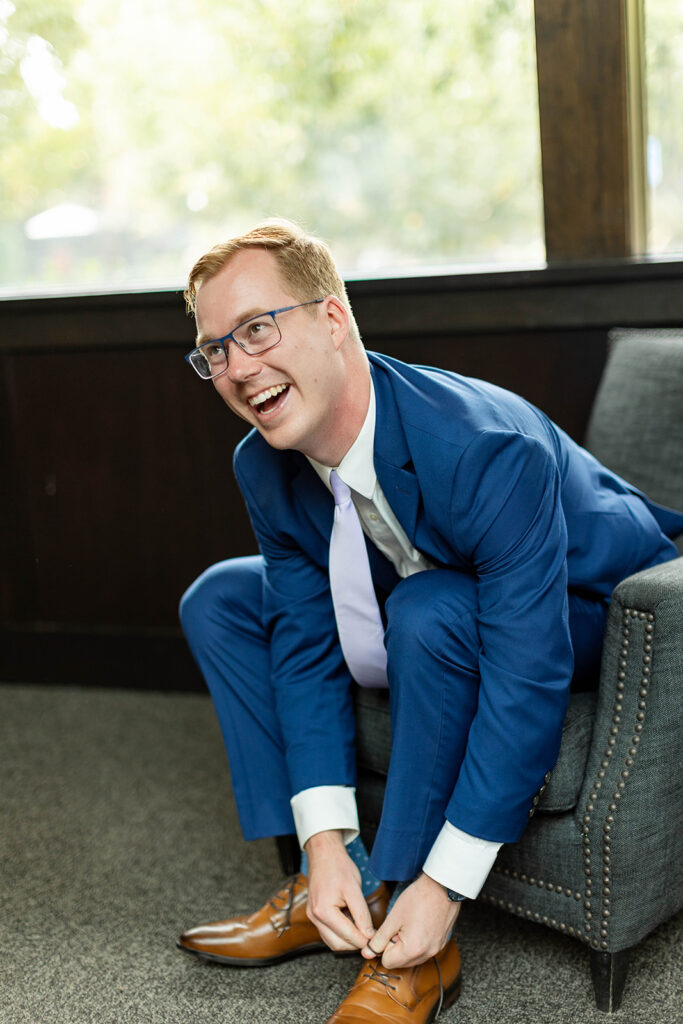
x: 418, y: 926
x: 336, y: 904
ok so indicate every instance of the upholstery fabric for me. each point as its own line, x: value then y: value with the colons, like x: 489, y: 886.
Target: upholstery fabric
x: 636, y: 424
x: 609, y: 871
x: 373, y: 746
x: 562, y: 792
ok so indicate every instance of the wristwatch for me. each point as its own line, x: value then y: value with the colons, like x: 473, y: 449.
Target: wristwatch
x: 455, y: 897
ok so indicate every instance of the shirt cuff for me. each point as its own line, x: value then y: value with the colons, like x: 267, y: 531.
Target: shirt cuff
x: 460, y: 861
x: 323, y: 808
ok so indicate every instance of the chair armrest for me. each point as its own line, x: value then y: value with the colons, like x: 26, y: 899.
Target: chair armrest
x: 630, y: 807
x: 657, y: 588
x: 642, y: 664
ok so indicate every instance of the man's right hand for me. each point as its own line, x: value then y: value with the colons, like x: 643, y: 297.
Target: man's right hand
x: 336, y: 904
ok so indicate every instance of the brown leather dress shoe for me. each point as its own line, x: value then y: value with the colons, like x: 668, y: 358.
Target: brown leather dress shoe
x: 278, y: 931
x: 404, y: 994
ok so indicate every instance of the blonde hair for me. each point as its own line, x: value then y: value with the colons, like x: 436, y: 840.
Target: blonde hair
x: 305, y: 263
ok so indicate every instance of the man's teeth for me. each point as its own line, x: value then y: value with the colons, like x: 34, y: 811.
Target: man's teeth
x: 268, y: 393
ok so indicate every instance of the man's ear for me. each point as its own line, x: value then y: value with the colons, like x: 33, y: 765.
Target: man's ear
x: 337, y: 320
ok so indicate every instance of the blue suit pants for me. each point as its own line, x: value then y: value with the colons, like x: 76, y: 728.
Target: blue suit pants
x: 433, y: 649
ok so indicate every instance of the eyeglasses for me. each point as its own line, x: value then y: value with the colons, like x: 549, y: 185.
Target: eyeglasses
x: 254, y: 336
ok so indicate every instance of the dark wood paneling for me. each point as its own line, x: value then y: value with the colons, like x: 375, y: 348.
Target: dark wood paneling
x: 593, y: 295
x: 116, y: 459
x: 126, y: 460
x: 154, y: 660
x: 17, y: 553
x: 128, y: 485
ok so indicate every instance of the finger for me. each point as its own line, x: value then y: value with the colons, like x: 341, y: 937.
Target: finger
x: 396, y: 954
x: 381, y: 939
x: 360, y: 913
x: 341, y: 929
x: 369, y: 950
x: 329, y: 933
x: 410, y: 948
x: 333, y: 941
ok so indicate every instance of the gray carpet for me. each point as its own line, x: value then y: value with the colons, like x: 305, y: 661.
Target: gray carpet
x: 118, y: 829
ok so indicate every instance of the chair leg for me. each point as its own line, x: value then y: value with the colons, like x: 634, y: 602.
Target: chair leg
x: 289, y: 854
x: 609, y: 972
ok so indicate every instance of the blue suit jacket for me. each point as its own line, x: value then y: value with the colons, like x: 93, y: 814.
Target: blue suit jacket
x: 482, y: 482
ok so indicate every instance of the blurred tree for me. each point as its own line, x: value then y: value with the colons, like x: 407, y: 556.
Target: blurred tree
x: 405, y: 136
x: 37, y: 157
x: 664, y: 64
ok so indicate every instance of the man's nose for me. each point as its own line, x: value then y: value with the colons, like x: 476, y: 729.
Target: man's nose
x: 240, y: 365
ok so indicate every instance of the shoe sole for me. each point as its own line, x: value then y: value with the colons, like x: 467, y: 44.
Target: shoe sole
x: 236, y: 961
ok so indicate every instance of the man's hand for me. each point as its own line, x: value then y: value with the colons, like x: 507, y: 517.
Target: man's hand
x: 336, y: 904
x: 417, y: 927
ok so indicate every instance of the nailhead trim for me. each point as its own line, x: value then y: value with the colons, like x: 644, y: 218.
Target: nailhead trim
x: 590, y: 918
x: 539, y: 794
x: 590, y: 913
x: 551, y: 922
x: 538, y: 883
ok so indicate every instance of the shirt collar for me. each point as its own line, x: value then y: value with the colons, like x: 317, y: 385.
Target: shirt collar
x: 357, y: 468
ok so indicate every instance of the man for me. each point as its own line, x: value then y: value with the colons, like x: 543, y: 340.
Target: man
x: 494, y: 542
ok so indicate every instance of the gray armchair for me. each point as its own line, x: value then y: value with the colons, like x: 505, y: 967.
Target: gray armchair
x: 600, y: 860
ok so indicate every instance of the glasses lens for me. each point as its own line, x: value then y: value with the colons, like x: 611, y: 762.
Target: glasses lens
x: 209, y: 360
x: 258, y: 334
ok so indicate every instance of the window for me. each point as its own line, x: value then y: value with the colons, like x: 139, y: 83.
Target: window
x: 138, y: 133
x: 664, y: 71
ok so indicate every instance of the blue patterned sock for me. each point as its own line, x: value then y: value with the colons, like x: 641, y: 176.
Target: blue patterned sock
x: 359, y: 855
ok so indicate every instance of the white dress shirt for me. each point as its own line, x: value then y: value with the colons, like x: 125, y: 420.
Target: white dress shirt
x: 457, y: 860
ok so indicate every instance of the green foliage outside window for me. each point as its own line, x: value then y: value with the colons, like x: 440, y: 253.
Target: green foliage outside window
x: 664, y: 67
x: 137, y: 133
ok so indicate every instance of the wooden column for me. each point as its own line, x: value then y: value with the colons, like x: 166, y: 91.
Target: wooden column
x: 591, y: 105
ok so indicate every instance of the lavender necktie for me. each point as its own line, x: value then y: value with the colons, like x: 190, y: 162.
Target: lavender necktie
x: 359, y: 623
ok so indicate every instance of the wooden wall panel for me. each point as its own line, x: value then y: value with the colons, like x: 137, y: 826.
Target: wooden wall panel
x: 128, y: 482
x: 126, y: 460
x: 116, y: 461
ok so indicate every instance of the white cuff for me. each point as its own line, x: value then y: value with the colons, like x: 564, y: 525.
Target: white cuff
x: 322, y: 808
x: 460, y: 861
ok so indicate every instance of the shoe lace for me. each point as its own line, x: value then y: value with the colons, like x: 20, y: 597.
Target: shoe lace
x: 286, y: 893
x: 438, y: 971
x: 383, y: 977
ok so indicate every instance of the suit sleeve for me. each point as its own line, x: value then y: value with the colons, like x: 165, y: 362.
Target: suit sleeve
x: 508, y: 518
x: 311, y: 683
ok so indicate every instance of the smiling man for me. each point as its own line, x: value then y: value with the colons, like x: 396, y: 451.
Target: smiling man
x: 420, y: 531
x: 313, y: 394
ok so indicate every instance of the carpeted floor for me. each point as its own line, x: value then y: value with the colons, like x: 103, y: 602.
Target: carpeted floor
x: 118, y: 829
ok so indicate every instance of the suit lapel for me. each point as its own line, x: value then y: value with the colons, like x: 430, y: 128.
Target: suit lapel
x: 393, y: 464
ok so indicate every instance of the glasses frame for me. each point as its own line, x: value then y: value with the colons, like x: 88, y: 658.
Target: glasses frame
x: 227, y: 338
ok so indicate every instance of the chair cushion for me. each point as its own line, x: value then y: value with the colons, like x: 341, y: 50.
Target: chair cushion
x: 562, y: 792
x: 373, y: 729
x: 636, y: 425
x: 373, y: 745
